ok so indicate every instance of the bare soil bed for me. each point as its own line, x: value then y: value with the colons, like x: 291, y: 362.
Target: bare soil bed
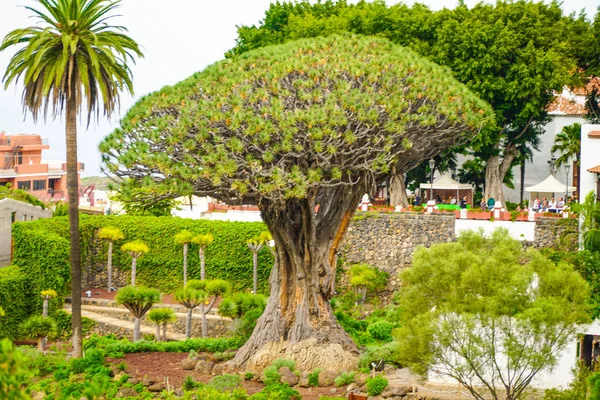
x: 159, y: 365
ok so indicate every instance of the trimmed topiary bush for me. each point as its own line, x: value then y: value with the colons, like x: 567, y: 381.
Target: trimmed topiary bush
x: 376, y: 385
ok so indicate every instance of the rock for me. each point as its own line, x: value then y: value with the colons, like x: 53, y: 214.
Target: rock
x: 334, y: 390
x: 361, y: 379
x: 327, y: 378
x: 178, y: 392
x: 188, y: 364
x: 400, y: 391
x: 386, y: 393
x: 127, y: 392
x: 303, y: 380
x: 288, y: 377
x: 133, y: 380
x: 389, y: 369
x: 217, y: 369
x: 37, y: 395
x: 352, y: 388
x: 157, y: 387
x: 204, y: 367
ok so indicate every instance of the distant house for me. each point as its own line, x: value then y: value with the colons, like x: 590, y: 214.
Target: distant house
x: 12, y: 211
x: 590, y: 160
x: 22, y: 166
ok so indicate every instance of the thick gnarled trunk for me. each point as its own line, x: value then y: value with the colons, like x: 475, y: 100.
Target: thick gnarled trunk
x: 298, y: 322
x: 495, y: 170
x: 73, y: 194
x: 398, y: 195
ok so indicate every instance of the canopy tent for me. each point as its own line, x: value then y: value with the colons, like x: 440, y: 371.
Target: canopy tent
x: 548, y: 187
x: 446, y: 187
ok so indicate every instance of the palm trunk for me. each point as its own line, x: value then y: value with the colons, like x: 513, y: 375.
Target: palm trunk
x: 109, y: 266
x: 188, y: 323
x: 298, y: 322
x: 45, y: 314
x: 202, y: 263
x: 185, y: 254
x: 133, y: 270
x: 255, y: 271
x: 73, y: 194
x: 158, y: 332
x: 40, y: 344
x: 164, y: 335
x: 136, y: 329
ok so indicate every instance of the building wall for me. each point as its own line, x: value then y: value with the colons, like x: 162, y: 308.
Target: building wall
x: 19, y: 211
x: 590, y: 157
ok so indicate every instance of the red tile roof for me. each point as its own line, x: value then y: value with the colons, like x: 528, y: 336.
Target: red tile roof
x: 562, y: 105
x: 595, y: 170
x: 594, y: 134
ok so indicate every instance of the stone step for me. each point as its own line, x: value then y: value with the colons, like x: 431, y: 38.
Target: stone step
x: 178, y: 308
x: 124, y: 325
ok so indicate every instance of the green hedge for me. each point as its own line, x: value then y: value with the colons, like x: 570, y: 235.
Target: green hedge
x: 16, y: 299
x: 42, y: 249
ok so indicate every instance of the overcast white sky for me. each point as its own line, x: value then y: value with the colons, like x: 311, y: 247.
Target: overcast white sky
x: 179, y: 37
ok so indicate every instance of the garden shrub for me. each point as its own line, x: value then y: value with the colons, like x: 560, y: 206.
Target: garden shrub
x: 277, y: 391
x: 42, y: 248
x: 376, y: 385
x: 365, y: 278
x: 313, y: 377
x: 345, y: 378
x: 374, y: 354
x: 63, y: 323
x: 225, y: 382
x: 381, y: 330
x: 13, y: 375
x: 189, y: 383
x: 17, y: 299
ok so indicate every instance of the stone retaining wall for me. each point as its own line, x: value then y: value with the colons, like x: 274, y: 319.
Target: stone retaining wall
x: 388, y: 240
x: 558, y: 233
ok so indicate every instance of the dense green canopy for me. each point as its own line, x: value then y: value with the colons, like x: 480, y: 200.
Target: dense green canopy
x: 280, y: 120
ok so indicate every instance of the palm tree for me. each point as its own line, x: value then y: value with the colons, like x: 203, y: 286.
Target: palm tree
x: 184, y: 238
x: 568, y: 144
x: 135, y: 249
x: 255, y: 245
x: 161, y: 317
x: 203, y: 241
x: 111, y: 234
x: 73, y: 61
x: 212, y: 289
x: 190, y: 298
x: 589, y: 211
x: 138, y: 300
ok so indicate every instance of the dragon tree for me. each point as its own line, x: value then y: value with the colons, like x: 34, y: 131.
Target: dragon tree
x: 302, y: 130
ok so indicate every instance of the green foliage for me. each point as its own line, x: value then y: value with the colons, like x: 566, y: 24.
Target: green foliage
x: 38, y: 327
x: 284, y: 362
x: 313, y: 377
x: 116, y: 348
x: 245, y: 325
x: 6, y: 192
x: 218, y: 287
x: 48, y: 294
x: 240, y: 303
x: 209, y: 393
x: 13, y: 375
x: 203, y: 239
x: 138, y: 300
x: 460, y: 299
x: 270, y: 375
x: 184, y: 237
x: 189, y: 383
x: 136, y: 203
x: 578, y: 388
x: 593, y: 382
x: 589, y: 212
x: 277, y: 391
x: 17, y: 299
x: 135, y: 248
x: 224, y: 356
x: 248, y: 376
x: 381, y: 330
x: 376, y: 385
x: 345, y: 378
x: 190, y: 298
x: 377, y: 353
x: 568, y: 144
x: 326, y: 77
x: 365, y: 278
x: 159, y: 268
x: 110, y: 233
x: 63, y: 324
x: 225, y: 382
x: 161, y: 315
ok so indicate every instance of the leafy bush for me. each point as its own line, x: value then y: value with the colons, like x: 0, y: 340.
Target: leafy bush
x: 63, y: 324
x: 376, y: 385
x: 365, y: 278
x: 161, y: 267
x: 116, y: 348
x: 313, y: 377
x: 189, y: 383
x: 18, y: 301
x: 248, y: 376
x: 277, y: 391
x: 224, y: 355
x: 209, y: 393
x: 374, y: 354
x: 270, y: 375
x: 225, y: 382
x: 245, y: 325
x: 13, y: 375
x: 345, y: 378
x: 38, y: 327
x: 381, y: 330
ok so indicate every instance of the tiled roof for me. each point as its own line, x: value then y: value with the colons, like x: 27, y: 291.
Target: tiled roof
x: 563, y: 105
x: 594, y: 134
x: 595, y: 170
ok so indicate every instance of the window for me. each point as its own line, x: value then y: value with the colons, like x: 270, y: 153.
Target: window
x: 25, y: 185
x: 39, y: 185
x: 13, y: 216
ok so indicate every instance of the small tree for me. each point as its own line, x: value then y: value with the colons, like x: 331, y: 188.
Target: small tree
x: 138, y: 301
x: 38, y: 327
x: 135, y: 249
x: 184, y: 238
x: 203, y: 241
x: 363, y: 278
x: 214, y: 289
x: 110, y: 234
x: 161, y: 317
x: 488, y: 313
x: 190, y: 298
x: 255, y: 245
x: 244, y: 309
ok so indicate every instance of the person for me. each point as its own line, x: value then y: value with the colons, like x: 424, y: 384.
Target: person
x: 560, y: 203
x: 536, y: 204
x: 490, y: 203
x: 417, y: 200
x: 483, y: 205
x: 453, y: 200
x: 438, y: 199
x: 551, y: 205
x: 544, y: 204
x: 463, y: 202
x: 518, y: 208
